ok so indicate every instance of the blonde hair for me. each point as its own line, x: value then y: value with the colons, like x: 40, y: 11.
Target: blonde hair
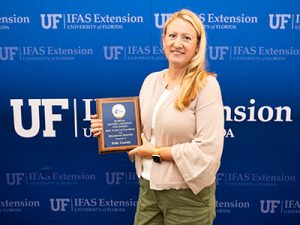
x: 195, y: 76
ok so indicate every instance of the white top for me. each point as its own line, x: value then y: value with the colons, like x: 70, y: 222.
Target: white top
x: 147, y: 163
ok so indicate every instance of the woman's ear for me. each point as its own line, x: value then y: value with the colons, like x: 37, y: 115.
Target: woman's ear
x: 197, y: 49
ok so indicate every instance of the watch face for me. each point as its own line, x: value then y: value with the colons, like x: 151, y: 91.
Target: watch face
x: 156, y: 158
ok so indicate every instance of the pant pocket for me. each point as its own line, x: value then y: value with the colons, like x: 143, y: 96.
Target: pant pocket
x: 208, y: 195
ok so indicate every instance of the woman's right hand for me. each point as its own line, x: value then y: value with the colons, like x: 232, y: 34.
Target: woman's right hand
x: 96, y: 126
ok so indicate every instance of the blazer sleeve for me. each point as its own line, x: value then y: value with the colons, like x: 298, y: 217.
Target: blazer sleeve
x: 199, y: 160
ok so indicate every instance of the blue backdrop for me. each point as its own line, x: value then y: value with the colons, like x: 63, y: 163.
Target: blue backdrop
x: 56, y: 57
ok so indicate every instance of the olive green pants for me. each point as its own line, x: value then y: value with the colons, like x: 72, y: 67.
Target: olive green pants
x: 170, y: 207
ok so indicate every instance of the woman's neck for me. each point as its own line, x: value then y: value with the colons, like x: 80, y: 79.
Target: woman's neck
x: 174, y: 76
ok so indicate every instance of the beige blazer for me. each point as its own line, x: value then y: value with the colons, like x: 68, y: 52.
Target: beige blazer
x: 195, y: 135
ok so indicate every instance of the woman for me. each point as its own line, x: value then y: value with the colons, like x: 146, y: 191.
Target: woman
x: 183, y: 122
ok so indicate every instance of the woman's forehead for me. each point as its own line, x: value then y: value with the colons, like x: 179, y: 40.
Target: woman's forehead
x: 181, y: 26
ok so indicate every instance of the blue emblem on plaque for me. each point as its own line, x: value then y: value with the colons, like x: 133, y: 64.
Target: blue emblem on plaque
x: 118, y: 111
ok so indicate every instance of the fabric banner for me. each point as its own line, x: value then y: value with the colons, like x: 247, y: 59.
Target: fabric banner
x: 57, y: 57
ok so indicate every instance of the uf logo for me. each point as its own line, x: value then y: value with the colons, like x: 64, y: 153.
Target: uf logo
x: 14, y: 178
x: 218, y: 52
x: 163, y: 16
x: 114, y: 177
x: 280, y: 21
x: 35, y: 104
x: 59, y: 204
x: 52, y: 20
x: 7, y: 53
x: 219, y: 178
x: 268, y: 206
x: 114, y: 52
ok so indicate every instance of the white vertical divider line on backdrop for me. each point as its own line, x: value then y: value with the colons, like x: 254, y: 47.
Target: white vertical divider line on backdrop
x: 75, y: 117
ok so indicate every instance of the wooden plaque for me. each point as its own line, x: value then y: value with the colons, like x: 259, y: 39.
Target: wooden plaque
x: 121, y: 129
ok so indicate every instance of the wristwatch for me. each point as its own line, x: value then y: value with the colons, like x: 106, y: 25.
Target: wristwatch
x: 155, y: 155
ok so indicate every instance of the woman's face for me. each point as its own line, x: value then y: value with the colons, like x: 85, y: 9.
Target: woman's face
x: 180, y: 42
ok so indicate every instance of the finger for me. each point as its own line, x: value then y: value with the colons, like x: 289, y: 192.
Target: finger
x: 94, y: 116
x: 133, y: 152
x: 97, y: 132
x: 97, y: 129
x: 131, y: 158
x: 96, y: 125
x: 96, y: 135
x: 96, y: 121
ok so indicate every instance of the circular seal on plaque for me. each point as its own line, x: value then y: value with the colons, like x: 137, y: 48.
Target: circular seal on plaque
x: 118, y: 111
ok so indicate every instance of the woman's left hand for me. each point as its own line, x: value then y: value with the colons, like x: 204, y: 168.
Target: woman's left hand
x: 143, y: 151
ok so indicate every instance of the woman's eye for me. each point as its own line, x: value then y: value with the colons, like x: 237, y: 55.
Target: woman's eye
x: 172, y: 36
x: 187, y: 38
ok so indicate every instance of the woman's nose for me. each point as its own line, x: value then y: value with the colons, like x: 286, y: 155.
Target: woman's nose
x: 177, y: 42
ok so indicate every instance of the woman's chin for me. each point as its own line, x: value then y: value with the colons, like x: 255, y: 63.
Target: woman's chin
x: 177, y: 63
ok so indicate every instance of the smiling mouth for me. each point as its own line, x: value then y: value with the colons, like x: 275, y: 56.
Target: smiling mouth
x: 178, y: 52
